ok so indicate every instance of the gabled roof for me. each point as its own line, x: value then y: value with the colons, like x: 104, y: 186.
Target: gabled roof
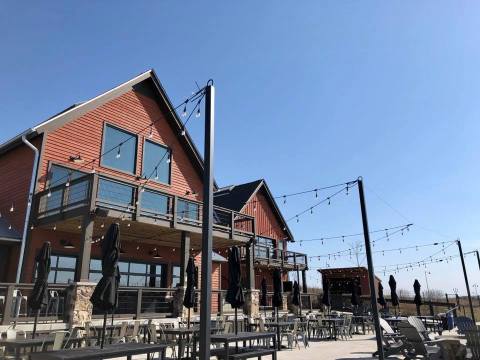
x: 236, y: 197
x: 7, y: 234
x: 72, y: 112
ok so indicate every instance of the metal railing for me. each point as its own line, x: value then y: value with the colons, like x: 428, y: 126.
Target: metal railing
x: 278, y: 256
x: 136, y: 202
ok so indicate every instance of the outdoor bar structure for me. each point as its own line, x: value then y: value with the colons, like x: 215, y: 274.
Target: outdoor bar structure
x: 125, y: 156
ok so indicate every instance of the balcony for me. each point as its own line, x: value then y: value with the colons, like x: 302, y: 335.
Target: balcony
x: 149, y: 213
x: 268, y: 256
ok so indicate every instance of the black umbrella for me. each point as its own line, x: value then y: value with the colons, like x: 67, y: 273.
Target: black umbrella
x: 393, y: 292
x: 189, y: 298
x: 277, y: 298
x: 355, y: 299
x: 39, y: 295
x: 418, y: 298
x: 296, y: 294
x: 235, y: 292
x: 326, y: 294
x: 263, y: 294
x: 381, y: 298
x: 105, y: 295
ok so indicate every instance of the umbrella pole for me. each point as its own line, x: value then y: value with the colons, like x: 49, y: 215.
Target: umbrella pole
x: 111, y: 330
x: 188, y: 335
x: 236, y: 330
x: 104, y: 329
x: 35, y: 324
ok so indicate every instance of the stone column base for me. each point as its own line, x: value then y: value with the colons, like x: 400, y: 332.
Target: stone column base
x: 285, y: 302
x: 252, y: 303
x: 79, y: 308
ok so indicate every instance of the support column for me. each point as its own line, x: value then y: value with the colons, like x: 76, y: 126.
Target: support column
x: 184, y: 256
x: 304, y: 281
x: 83, y: 266
x: 252, y: 295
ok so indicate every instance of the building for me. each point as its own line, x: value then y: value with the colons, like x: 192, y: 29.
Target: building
x: 123, y: 157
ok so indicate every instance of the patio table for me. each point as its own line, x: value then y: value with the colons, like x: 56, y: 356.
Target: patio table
x: 95, y: 352
x: 18, y: 344
x: 226, y: 339
x: 183, y: 334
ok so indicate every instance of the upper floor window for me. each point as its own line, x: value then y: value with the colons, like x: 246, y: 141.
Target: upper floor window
x: 156, y: 162
x: 119, y: 150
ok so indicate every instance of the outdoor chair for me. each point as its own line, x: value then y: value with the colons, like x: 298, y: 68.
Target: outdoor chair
x: 90, y: 335
x: 13, y: 334
x: 420, y: 326
x: 293, y: 336
x: 121, y: 338
x: 135, y: 335
x: 464, y: 323
x: 152, y: 330
x: 59, y: 339
x: 320, y: 329
x: 418, y: 347
x: 394, y: 343
x: 473, y: 342
x: 345, y: 329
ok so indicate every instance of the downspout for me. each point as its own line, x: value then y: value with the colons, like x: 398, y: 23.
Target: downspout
x: 29, y: 206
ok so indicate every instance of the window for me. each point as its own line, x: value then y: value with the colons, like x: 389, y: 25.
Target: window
x: 156, y: 162
x: 264, y: 247
x: 175, y: 276
x: 132, y: 273
x: 62, y: 269
x: 115, y: 194
x: 119, y: 149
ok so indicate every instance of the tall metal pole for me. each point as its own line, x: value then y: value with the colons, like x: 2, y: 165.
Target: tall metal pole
x: 207, y: 229
x: 466, y: 279
x: 371, y: 272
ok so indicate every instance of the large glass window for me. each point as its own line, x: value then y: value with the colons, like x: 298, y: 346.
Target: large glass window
x: 115, y: 193
x: 264, y: 248
x: 62, y: 269
x: 156, y: 162
x: 132, y: 273
x: 175, y: 276
x: 119, y: 149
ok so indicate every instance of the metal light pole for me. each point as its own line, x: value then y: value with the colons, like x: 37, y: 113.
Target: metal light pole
x: 207, y: 229
x: 478, y: 259
x: 466, y: 279
x: 371, y: 273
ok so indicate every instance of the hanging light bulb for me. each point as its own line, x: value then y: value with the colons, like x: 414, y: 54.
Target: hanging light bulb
x: 343, y: 238
x: 347, y: 188
x: 298, y: 220
x: 328, y: 201
x: 67, y: 184
x: 31, y: 227
x: 12, y: 208
x: 150, y: 134
x: 316, y: 193
x: 0, y: 214
x: 197, y: 115
x: 311, y: 210
x: 119, y: 152
x: 183, y: 131
x: 9, y: 227
x: 184, y: 112
x: 284, y: 199
x: 156, y: 173
x: 55, y: 227
x: 168, y: 159
x: 49, y: 194
x: 143, y: 189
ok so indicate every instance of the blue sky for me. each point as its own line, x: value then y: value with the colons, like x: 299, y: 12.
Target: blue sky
x: 308, y: 94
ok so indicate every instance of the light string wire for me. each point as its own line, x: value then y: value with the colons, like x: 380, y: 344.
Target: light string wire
x: 308, y: 209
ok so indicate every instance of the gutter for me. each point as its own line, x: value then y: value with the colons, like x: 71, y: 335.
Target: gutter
x: 29, y: 206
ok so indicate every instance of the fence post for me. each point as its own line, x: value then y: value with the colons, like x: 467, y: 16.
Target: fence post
x: 139, y: 303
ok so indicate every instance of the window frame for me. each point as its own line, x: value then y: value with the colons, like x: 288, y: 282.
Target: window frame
x: 170, y: 151
x: 57, y: 164
x: 102, y: 151
x: 57, y: 269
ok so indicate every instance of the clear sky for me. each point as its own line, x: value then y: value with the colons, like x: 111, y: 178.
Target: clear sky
x: 309, y: 94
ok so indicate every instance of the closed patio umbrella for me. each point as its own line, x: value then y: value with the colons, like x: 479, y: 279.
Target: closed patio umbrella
x: 393, y: 293
x: 105, y: 295
x: 418, y: 297
x: 381, y: 297
x: 326, y: 294
x: 355, y: 299
x: 39, y: 295
x: 235, y: 292
x: 189, y: 298
x: 263, y: 295
x: 296, y: 294
x: 277, y: 300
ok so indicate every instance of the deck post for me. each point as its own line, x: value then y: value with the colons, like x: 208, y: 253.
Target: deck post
x: 184, y: 256
x: 207, y: 229
x: 7, y: 307
x: 304, y: 281
x: 371, y: 271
